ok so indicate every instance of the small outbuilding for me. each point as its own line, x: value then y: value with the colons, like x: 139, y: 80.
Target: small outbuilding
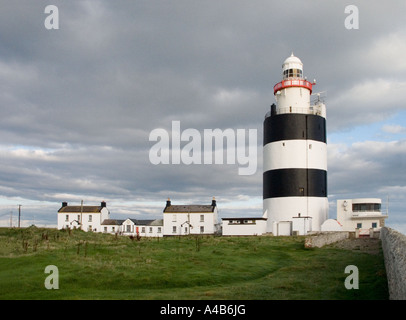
x: 331, y: 225
x: 243, y: 226
x: 361, y: 215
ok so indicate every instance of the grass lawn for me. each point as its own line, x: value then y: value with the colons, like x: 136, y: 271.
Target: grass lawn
x: 104, y: 266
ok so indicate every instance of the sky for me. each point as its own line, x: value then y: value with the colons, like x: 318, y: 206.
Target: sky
x: 78, y: 103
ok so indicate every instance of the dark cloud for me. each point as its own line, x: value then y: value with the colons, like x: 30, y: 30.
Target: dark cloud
x: 77, y: 104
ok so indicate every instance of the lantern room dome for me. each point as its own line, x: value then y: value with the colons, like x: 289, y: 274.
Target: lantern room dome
x: 292, y: 62
x: 292, y: 67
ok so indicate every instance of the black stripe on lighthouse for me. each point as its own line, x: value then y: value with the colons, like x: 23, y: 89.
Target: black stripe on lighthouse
x: 294, y: 126
x: 294, y: 183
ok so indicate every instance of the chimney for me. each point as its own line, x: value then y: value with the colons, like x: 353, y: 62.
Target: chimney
x: 64, y: 204
x: 168, y: 202
x: 213, y: 202
x: 103, y: 204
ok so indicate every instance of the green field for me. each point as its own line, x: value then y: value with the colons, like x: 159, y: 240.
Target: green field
x: 104, y: 266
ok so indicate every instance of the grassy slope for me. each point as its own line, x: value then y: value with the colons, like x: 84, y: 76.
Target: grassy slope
x: 102, y: 266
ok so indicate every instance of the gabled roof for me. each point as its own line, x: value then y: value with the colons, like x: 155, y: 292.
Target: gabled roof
x: 79, y: 209
x: 156, y: 222
x: 245, y: 218
x: 189, y: 208
x: 112, y: 222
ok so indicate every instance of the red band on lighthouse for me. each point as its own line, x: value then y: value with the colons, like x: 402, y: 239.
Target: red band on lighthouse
x: 293, y: 83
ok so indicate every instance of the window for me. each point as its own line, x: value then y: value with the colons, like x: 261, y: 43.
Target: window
x: 105, y: 229
x: 113, y: 229
x: 150, y: 229
x: 366, y: 207
x: 128, y: 228
x: 90, y: 218
x: 159, y: 229
x: 174, y: 218
x: 292, y: 73
x: 142, y: 229
x: 202, y: 218
x: 359, y: 225
x: 67, y: 217
x: 201, y: 229
x: 174, y: 229
x: 185, y: 230
x: 374, y: 224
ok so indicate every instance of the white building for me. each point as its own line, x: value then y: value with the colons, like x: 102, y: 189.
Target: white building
x: 301, y: 225
x: 87, y: 218
x: 331, y: 225
x: 190, y: 219
x: 112, y: 226
x: 294, y: 155
x: 142, y: 228
x: 243, y: 226
x: 360, y: 215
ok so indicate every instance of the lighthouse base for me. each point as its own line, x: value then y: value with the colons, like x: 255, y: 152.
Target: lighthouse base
x: 295, y: 215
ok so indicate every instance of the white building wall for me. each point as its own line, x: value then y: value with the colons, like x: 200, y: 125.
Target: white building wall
x: 129, y: 228
x: 111, y: 228
x: 89, y: 221
x: 315, y: 207
x: 65, y: 220
x: 295, y: 154
x: 256, y: 227
x: 151, y: 231
x: 282, y: 228
x: 297, y: 98
x: 180, y: 223
x: 331, y: 225
x: 301, y: 225
x: 351, y: 220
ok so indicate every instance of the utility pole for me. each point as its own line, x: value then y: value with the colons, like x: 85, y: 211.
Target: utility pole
x: 19, y: 214
x: 81, y: 214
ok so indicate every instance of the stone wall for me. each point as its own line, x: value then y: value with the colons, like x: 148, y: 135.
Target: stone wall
x: 394, y: 251
x: 318, y: 240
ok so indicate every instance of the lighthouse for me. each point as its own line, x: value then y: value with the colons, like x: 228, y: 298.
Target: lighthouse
x: 295, y: 156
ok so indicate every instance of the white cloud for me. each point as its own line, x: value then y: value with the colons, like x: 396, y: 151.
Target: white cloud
x: 389, y: 50
x: 366, y: 102
x: 369, y: 169
x: 395, y: 129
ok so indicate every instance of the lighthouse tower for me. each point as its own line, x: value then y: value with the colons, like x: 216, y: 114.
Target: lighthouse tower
x: 295, y: 156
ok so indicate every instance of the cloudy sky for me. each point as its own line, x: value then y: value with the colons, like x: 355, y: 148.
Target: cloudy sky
x: 77, y: 104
